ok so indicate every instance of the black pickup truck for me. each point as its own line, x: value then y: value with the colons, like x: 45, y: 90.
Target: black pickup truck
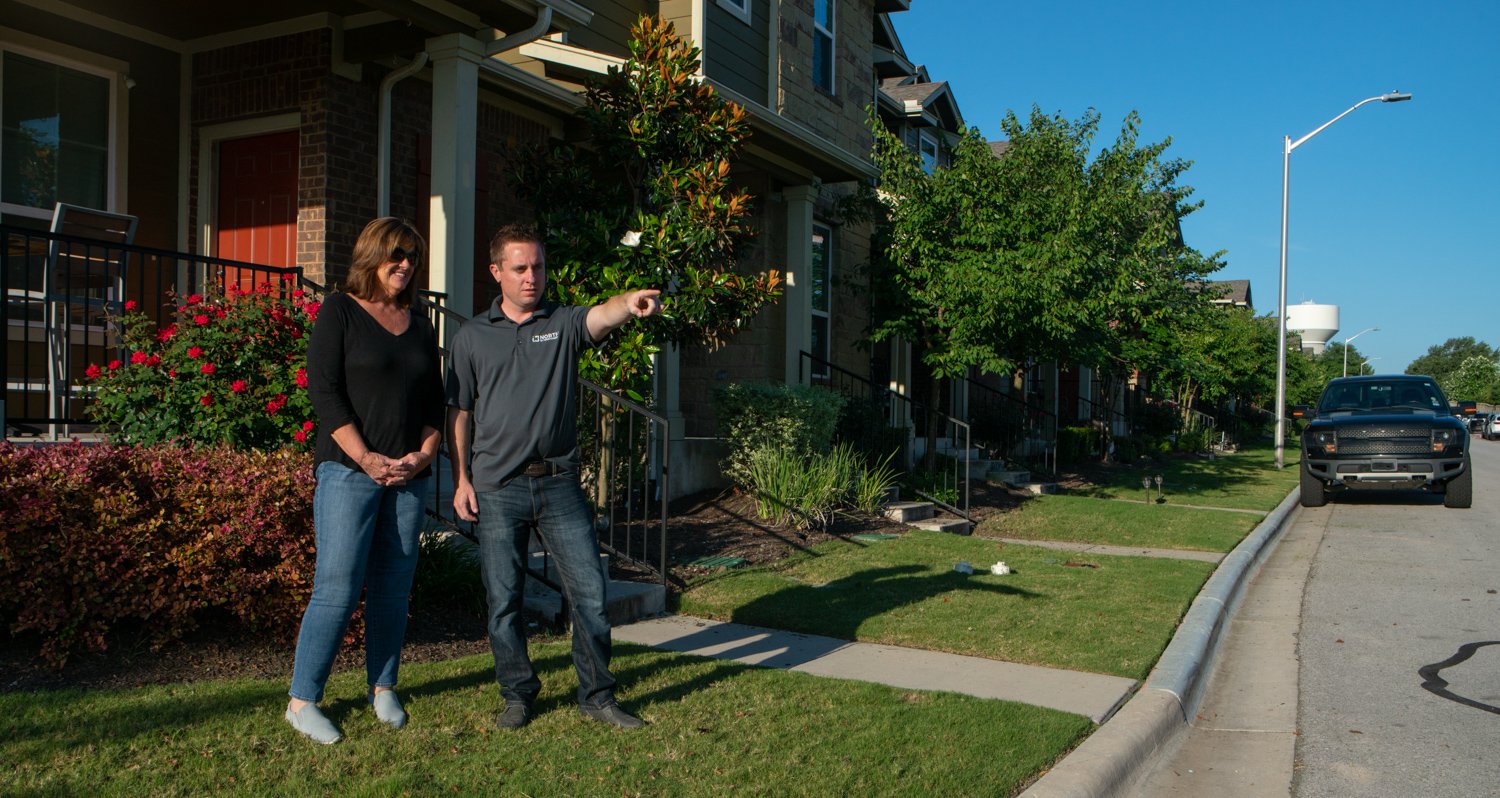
x: 1385, y: 432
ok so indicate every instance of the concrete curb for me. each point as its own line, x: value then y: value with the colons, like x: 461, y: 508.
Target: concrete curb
x: 1113, y: 758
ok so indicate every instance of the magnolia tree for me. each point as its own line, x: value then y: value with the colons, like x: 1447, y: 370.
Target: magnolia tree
x: 647, y: 202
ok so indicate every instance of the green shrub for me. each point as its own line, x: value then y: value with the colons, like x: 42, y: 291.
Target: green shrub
x: 754, y: 417
x: 792, y: 489
x: 448, y: 575
x: 862, y: 424
x: 1195, y: 440
x: 873, y: 483
x: 229, y: 370
x: 153, y: 537
x: 1074, y: 444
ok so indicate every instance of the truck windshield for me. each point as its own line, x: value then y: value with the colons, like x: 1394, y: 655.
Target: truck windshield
x: 1394, y: 395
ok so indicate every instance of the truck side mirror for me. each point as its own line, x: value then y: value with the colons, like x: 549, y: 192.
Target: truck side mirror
x: 1299, y: 411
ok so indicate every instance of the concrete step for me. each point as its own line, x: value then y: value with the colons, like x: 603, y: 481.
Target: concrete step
x: 957, y: 526
x: 907, y: 512
x: 1015, y: 479
x: 627, y: 602
x: 1040, y: 488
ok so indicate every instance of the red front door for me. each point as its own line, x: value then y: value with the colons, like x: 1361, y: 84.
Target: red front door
x: 257, y: 203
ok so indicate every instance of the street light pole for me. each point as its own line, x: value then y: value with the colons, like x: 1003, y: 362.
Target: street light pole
x: 1346, y: 346
x: 1286, y: 170
x: 1367, y: 363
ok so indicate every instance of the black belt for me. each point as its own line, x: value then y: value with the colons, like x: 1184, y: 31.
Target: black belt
x: 539, y: 468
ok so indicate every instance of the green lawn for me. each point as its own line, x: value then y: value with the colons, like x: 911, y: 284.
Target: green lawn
x: 1246, y: 480
x: 1114, y: 618
x: 1091, y: 520
x: 716, y: 728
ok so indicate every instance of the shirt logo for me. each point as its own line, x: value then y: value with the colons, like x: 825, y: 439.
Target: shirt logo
x: 537, y: 339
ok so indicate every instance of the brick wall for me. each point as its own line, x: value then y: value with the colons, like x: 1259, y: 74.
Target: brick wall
x: 838, y: 117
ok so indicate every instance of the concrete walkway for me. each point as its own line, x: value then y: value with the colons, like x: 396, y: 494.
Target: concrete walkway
x: 1090, y: 694
x: 1116, y: 551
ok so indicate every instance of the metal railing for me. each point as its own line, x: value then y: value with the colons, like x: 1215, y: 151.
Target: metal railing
x: 61, y: 295
x: 941, y: 475
x: 1010, y: 425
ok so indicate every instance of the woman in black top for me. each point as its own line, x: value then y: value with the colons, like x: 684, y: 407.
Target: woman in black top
x: 372, y: 368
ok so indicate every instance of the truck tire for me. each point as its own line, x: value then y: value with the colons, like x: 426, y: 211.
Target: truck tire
x: 1460, y: 489
x: 1314, y: 494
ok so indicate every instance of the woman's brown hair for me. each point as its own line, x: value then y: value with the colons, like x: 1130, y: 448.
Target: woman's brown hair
x: 381, y: 242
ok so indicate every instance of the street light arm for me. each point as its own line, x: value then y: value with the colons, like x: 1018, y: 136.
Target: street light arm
x: 1299, y: 142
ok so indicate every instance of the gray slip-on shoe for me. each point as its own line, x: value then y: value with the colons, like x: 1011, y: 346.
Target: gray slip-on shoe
x: 314, y: 725
x: 513, y: 716
x: 613, y: 715
x: 388, y: 708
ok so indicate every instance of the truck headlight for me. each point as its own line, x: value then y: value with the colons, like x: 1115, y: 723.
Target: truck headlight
x: 1443, y: 438
x: 1327, y: 440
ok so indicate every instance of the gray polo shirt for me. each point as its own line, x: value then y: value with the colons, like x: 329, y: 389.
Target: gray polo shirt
x: 520, y: 382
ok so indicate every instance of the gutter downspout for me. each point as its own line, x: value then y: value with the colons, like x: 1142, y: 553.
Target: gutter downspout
x: 383, y: 151
x: 531, y: 34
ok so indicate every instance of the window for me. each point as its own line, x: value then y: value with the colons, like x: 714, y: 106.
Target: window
x: 929, y: 151
x: 740, y: 8
x: 823, y: 49
x: 822, y: 265
x: 55, y: 133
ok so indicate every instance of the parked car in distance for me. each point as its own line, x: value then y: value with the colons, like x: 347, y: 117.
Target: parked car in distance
x: 1491, y: 429
x: 1478, y: 421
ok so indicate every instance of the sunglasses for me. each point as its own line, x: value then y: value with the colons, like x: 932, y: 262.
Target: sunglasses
x: 398, y: 254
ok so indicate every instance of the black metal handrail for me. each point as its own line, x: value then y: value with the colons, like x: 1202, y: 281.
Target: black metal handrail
x: 60, y: 293
x: 1020, y: 424
x: 898, y: 411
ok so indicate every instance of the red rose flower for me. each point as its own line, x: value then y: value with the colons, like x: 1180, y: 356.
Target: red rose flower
x: 238, y: 386
x: 138, y: 357
x: 207, y: 400
x: 131, y: 305
x: 299, y: 436
x: 165, y: 333
x: 154, y: 360
x: 208, y: 368
x: 195, y: 352
x: 200, y: 320
x: 301, y: 378
x: 114, y: 364
x: 194, y: 299
x: 307, y: 426
x: 92, y: 372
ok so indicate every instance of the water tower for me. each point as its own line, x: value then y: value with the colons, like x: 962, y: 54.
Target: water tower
x: 1315, y: 323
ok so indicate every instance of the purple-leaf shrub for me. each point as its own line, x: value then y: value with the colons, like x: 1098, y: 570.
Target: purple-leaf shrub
x: 95, y: 536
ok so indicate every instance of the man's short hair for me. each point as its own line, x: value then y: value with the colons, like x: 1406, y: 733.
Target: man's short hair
x: 512, y: 234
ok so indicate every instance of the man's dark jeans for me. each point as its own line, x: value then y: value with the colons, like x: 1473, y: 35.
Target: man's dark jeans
x: 558, y: 508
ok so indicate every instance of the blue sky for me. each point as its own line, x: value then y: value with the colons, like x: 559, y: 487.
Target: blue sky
x: 1394, y: 208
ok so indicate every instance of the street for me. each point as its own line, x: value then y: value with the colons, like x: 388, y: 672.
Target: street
x: 1391, y: 590
x: 1398, y: 588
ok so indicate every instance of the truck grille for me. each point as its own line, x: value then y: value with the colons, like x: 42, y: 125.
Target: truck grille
x: 1377, y: 446
x: 1360, y: 433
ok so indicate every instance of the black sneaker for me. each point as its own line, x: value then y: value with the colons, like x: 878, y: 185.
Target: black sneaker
x: 613, y: 715
x: 513, y: 716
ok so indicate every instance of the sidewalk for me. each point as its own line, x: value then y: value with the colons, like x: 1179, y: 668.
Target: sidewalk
x: 1091, y: 694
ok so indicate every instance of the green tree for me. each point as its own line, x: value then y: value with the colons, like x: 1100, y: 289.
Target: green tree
x: 1041, y: 254
x: 648, y: 203
x: 1442, y: 360
x: 1476, y: 378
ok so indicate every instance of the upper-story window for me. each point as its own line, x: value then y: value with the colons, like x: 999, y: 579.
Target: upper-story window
x: 740, y: 8
x: 823, y: 49
x: 55, y: 133
x: 927, y: 145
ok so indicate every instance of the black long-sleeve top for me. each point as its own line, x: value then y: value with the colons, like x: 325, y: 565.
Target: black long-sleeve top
x: 388, y: 386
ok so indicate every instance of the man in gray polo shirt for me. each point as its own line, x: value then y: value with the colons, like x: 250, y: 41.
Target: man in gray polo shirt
x: 513, y: 377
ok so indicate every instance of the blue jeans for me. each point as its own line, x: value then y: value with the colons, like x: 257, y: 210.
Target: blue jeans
x: 557, y: 507
x: 367, y: 538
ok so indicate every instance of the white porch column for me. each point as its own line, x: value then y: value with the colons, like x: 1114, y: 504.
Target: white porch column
x: 455, y: 102
x: 797, y: 295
